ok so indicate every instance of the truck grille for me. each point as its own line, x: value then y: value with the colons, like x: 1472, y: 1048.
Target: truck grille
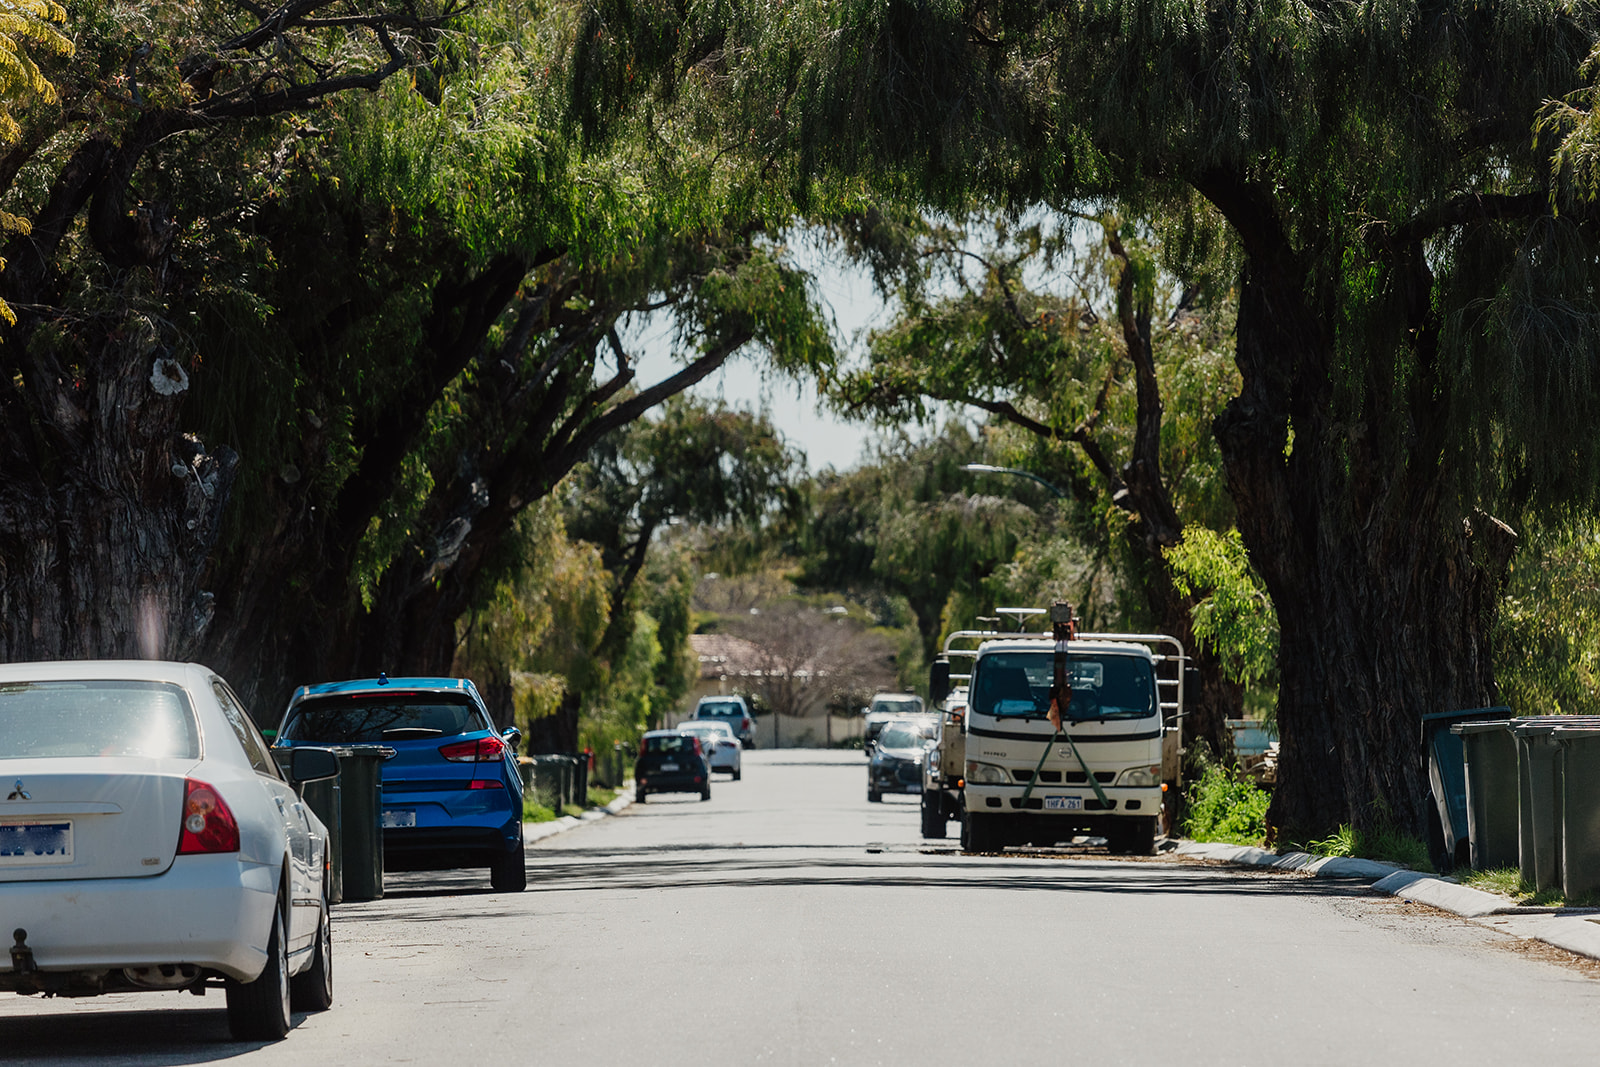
x: 1069, y: 777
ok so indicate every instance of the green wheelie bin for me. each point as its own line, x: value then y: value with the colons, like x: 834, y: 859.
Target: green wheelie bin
x: 1539, y: 792
x: 1580, y: 809
x: 1489, y: 759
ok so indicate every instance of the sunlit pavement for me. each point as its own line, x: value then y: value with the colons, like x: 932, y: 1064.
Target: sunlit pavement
x: 788, y: 920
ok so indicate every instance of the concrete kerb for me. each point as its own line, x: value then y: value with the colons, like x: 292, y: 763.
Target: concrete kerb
x: 534, y: 832
x: 1577, y: 934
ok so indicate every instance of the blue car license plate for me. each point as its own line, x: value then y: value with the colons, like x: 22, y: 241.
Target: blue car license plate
x: 27, y: 843
x: 1064, y: 803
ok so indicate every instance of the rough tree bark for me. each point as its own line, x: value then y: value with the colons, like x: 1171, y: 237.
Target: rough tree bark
x: 1385, y: 590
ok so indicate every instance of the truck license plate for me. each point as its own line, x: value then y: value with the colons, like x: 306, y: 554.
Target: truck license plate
x: 27, y: 843
x: 1064, y: 803
x: 394, y: 819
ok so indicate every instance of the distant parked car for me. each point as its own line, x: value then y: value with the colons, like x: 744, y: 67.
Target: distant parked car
x: 722, y: 749
x: 452, y: 795
x: 671, y: 762
x: 732, y: 710
x: 896, y: 765
x: 148, y: 841
x: 884, y: 709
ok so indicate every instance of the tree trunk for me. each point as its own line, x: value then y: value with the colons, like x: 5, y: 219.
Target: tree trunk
x: 556, y: 733
x: 1385, y: 594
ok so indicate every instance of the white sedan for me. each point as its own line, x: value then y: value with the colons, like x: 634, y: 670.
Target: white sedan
x: 149, y: 841
x: 721, y: 744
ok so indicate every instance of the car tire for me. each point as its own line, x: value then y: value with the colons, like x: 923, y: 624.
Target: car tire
x: 705, y: 794
x: 873, y: 796
x: 312, y: 988
x: 509, y: 873
x: 737, y: 775
x: 259, y: 1010
x: 933, y: 820
x: 640, y: 793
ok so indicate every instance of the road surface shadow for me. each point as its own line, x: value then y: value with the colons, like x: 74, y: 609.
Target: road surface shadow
x: 62, y: 1033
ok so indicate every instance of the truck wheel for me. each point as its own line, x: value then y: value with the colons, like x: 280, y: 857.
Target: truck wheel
x: 933, y: 822
x: 1137, y: 838
x: 980, y: 834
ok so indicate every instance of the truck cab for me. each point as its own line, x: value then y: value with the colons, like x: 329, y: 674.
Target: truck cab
x: 1021, y: 781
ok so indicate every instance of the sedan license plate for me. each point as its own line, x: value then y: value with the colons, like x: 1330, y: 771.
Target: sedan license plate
x: 669, y: 766
x: 1064, y: 803
x: 23, y: 844
x: 394, y: 819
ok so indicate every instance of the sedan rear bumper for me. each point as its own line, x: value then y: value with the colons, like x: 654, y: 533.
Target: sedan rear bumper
x: 213, y: 912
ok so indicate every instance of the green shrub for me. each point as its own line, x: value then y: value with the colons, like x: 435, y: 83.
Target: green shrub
x: 1222, y: 807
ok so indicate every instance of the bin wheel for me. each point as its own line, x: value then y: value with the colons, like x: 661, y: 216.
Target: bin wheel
x: 312, y: 988
x: 509, y: 873
x: 259, y: 1010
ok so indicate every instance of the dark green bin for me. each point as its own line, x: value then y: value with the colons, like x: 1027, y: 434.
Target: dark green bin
x: 1580, y: 809
x: 361, y: 818
x: 1489, y: 760
x: 1539, y: 794
x: 1447, y: 778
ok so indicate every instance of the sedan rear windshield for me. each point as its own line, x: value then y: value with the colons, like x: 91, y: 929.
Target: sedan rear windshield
x: 343, y: 720
x: 728, y: 710
x: 676, y: 743
x: 97, y: 718
x: 1103, y: 686
x: 900, y: 736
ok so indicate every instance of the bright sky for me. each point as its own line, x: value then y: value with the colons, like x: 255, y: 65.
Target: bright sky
x: 742, y: 383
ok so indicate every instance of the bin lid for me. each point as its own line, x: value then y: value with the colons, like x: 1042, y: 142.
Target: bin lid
x: 1480, y: 727
x: 1577, y: 733
x: 1498, y: 712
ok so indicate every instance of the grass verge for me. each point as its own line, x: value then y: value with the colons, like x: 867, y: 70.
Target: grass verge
x: 1507, y: 882
x: 1386, y: 845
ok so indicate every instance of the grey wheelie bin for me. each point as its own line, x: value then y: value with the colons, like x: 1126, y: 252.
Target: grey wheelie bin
x: 1539, y: 791
x: 1448, y: 781
x: 361, y: 818
x: 1580, y: 809
x: 1489, y: 759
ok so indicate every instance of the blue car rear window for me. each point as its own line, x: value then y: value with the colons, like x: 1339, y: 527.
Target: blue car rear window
x: 390, y: 717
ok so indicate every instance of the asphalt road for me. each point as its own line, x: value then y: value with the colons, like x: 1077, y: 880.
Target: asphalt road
x: 789, y: 921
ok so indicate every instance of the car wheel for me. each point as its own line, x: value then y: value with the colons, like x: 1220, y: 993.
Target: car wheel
x: 874, y: 796
x: 509, y: 873
x: 705, y: 794
x: 259, y: 1010
x: 312, y: 988
x: 737, y: 775
x: 640, y: 793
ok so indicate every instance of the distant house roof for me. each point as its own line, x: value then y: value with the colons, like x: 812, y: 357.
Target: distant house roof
x: 721, y: 654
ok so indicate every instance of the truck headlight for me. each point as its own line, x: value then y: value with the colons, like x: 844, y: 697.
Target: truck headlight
x: 986, y: 773
x: 1140, y: 776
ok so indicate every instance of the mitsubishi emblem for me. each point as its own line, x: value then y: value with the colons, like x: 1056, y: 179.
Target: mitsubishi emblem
x: 19, y: 793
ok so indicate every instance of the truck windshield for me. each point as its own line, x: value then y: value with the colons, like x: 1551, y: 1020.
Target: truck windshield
x: 1104, y: 686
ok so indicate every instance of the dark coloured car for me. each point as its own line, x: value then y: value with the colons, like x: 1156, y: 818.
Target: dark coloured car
x: 452, y: 795
x: 671, y: 762
x: 731, y: 710
x: 896, y: 765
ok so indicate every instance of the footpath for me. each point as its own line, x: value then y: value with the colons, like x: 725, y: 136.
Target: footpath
x: 1576, y: 930
x: 534, y: 832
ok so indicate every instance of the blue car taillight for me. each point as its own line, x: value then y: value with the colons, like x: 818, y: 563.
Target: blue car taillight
x: 483, y: 750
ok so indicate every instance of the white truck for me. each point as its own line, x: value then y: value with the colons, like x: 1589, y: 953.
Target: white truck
x: 1013, y: 776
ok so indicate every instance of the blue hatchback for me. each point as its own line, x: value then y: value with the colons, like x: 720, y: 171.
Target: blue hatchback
x: 452, y: 796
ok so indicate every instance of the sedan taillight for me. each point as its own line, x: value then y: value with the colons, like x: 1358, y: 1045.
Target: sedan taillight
x: 483, y: 750
x: 208, y: 825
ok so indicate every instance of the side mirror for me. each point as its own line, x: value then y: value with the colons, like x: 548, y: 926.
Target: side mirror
x: 312, y: 765
x: 939, y: 680
x: 513, y: 738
